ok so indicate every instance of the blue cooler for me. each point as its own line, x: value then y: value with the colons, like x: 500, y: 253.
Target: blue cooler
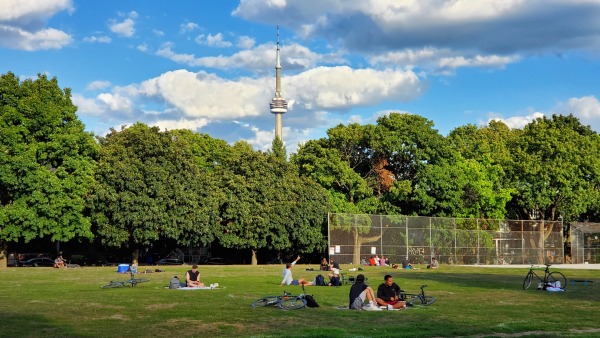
x: 123, y: 268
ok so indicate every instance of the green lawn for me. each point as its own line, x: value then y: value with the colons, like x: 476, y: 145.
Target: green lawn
x: 471, y: 301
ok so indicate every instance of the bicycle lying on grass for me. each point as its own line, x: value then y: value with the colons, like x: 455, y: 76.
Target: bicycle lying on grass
x: 285, y: 302
x: 550, y: 278
x: 413, y: 299
x: 131, y: 282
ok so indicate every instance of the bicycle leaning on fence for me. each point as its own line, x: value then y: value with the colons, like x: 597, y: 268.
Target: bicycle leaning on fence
x: 550, y: 278
x: 131, y: 282
x: 413, y: 299
x: 285, y: 302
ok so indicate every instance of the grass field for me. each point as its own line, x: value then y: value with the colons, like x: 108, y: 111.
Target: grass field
x: 471, y: 302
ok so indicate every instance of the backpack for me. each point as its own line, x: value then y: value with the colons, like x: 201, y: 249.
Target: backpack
x: 310, y: 301
x: 174, y: 283
x: 320, y: 281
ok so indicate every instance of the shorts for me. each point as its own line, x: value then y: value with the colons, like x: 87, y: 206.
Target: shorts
x: 294, y: 282
x: 358, y: 302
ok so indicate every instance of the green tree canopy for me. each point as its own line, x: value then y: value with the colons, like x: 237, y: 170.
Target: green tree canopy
x: 149, y: 186
x: 46, y: 164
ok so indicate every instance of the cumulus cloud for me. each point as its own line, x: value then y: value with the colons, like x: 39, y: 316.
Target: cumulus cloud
x: 245, y: 42
x: 126, y: 27
x: 213, y: 40
x: 97, y: 39
x: 187, y: 27
x: 485, y: 27
x: 184, y: 98
x: 23, y: 24
x: 517, y: 122
x: 587, y: 107
x: 258, y: 59
x: 440, y: 61
x: 98, y: 85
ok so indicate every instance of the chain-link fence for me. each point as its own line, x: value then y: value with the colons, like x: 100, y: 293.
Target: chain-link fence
x: 353, y: 237
x: 585, y: 243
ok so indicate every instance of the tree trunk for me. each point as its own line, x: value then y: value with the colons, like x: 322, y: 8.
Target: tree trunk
x: 3, y: 255
x: 254, y: 258
x: 134, y: 255
x: 358, y: 242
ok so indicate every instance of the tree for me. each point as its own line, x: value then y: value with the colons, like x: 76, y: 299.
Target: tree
x: 268, y: 205
x: 47, y: 163
x: 149, y: 186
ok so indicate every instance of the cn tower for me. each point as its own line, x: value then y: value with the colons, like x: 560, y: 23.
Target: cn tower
x: 278, y: 103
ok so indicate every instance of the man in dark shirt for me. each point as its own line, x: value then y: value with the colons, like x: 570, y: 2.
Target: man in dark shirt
x: 359, y: 292
x: 192, y: 277
x: 388, y: 294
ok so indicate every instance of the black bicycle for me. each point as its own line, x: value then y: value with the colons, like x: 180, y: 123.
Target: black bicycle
x: 285, y: 302
x: 550, y: 278
x: 413, y: 299
x: 131, y: 282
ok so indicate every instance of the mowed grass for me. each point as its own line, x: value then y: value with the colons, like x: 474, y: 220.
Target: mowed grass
x: 471, y: 301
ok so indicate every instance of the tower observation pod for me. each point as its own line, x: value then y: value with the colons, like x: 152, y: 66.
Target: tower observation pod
x: 278, y: 104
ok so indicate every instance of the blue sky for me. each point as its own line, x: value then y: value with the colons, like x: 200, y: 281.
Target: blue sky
x: 209, y: 65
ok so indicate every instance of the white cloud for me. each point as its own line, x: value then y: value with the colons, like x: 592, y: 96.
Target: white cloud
x: 501, y: 27
x: 98, y: 85
x: 213, y: 40
x: 245, y: 42
x: 126, y: 27
x: 439, y: 60
x: 98, y: 39
x: 517, y: 122
x: 587, y: 107
x: 22, y: 24
x: 158, y: 32
x: 143, y: 47
x: 261, y: 58
x: 317, y: 97
x: 187, y: 27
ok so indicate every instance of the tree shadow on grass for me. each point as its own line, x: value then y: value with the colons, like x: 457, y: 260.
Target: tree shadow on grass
x: 26, y: 325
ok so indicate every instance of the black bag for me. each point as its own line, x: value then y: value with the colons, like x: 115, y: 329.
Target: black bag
x: 310, y: 301
x: 320, y: 281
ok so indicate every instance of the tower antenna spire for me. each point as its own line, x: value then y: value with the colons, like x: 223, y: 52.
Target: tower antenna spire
x: 278, y: 103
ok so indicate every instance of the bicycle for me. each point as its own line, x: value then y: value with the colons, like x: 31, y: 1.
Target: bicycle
x: 413, y: 299
x: 132, y: 282
x: 550, y: 278
x: 285, y: 302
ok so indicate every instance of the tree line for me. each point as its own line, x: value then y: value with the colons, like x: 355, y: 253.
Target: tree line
x: 138, y: 185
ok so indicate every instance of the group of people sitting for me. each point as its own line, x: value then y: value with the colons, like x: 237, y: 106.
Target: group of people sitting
x: 59, y: 262
x: 375, y: 261
x: 362, y: 297
x: 334, y: 274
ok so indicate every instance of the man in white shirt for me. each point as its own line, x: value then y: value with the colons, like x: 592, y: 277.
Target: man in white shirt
x: 287, y: 275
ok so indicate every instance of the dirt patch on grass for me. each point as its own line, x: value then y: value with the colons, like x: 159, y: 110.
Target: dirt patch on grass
x: 160, y: 306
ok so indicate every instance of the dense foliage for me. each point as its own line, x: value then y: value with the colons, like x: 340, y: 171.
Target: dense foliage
x: 140, y: 185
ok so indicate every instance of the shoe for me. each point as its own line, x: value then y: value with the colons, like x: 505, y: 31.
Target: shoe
x: 390, y: 307
x: 371, y: 307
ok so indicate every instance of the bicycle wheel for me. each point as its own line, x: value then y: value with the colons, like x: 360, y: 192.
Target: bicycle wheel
x: 420, y: 300
x: 527, y: 281
x: 265, y: 301
x: 136, y: 281
x: 112, y: 285
x: 292, y: 303
x: 557, y: 277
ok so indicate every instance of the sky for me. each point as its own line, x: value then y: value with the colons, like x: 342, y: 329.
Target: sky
x: 209, y: 66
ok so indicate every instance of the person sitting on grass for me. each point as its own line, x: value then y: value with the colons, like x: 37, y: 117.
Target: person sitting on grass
x: 192, y: 278
x: 406, y: 264
x: 287, y: 276
x: 434, y: 264
x: 388, y: 294
x: 59, y: 262
x: 359, y: 292
x: 324, y: 264
x: 334, y: 277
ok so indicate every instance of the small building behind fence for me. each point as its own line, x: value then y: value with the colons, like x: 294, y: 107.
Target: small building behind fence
x: 585, y: 243
x: 451, y: 240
